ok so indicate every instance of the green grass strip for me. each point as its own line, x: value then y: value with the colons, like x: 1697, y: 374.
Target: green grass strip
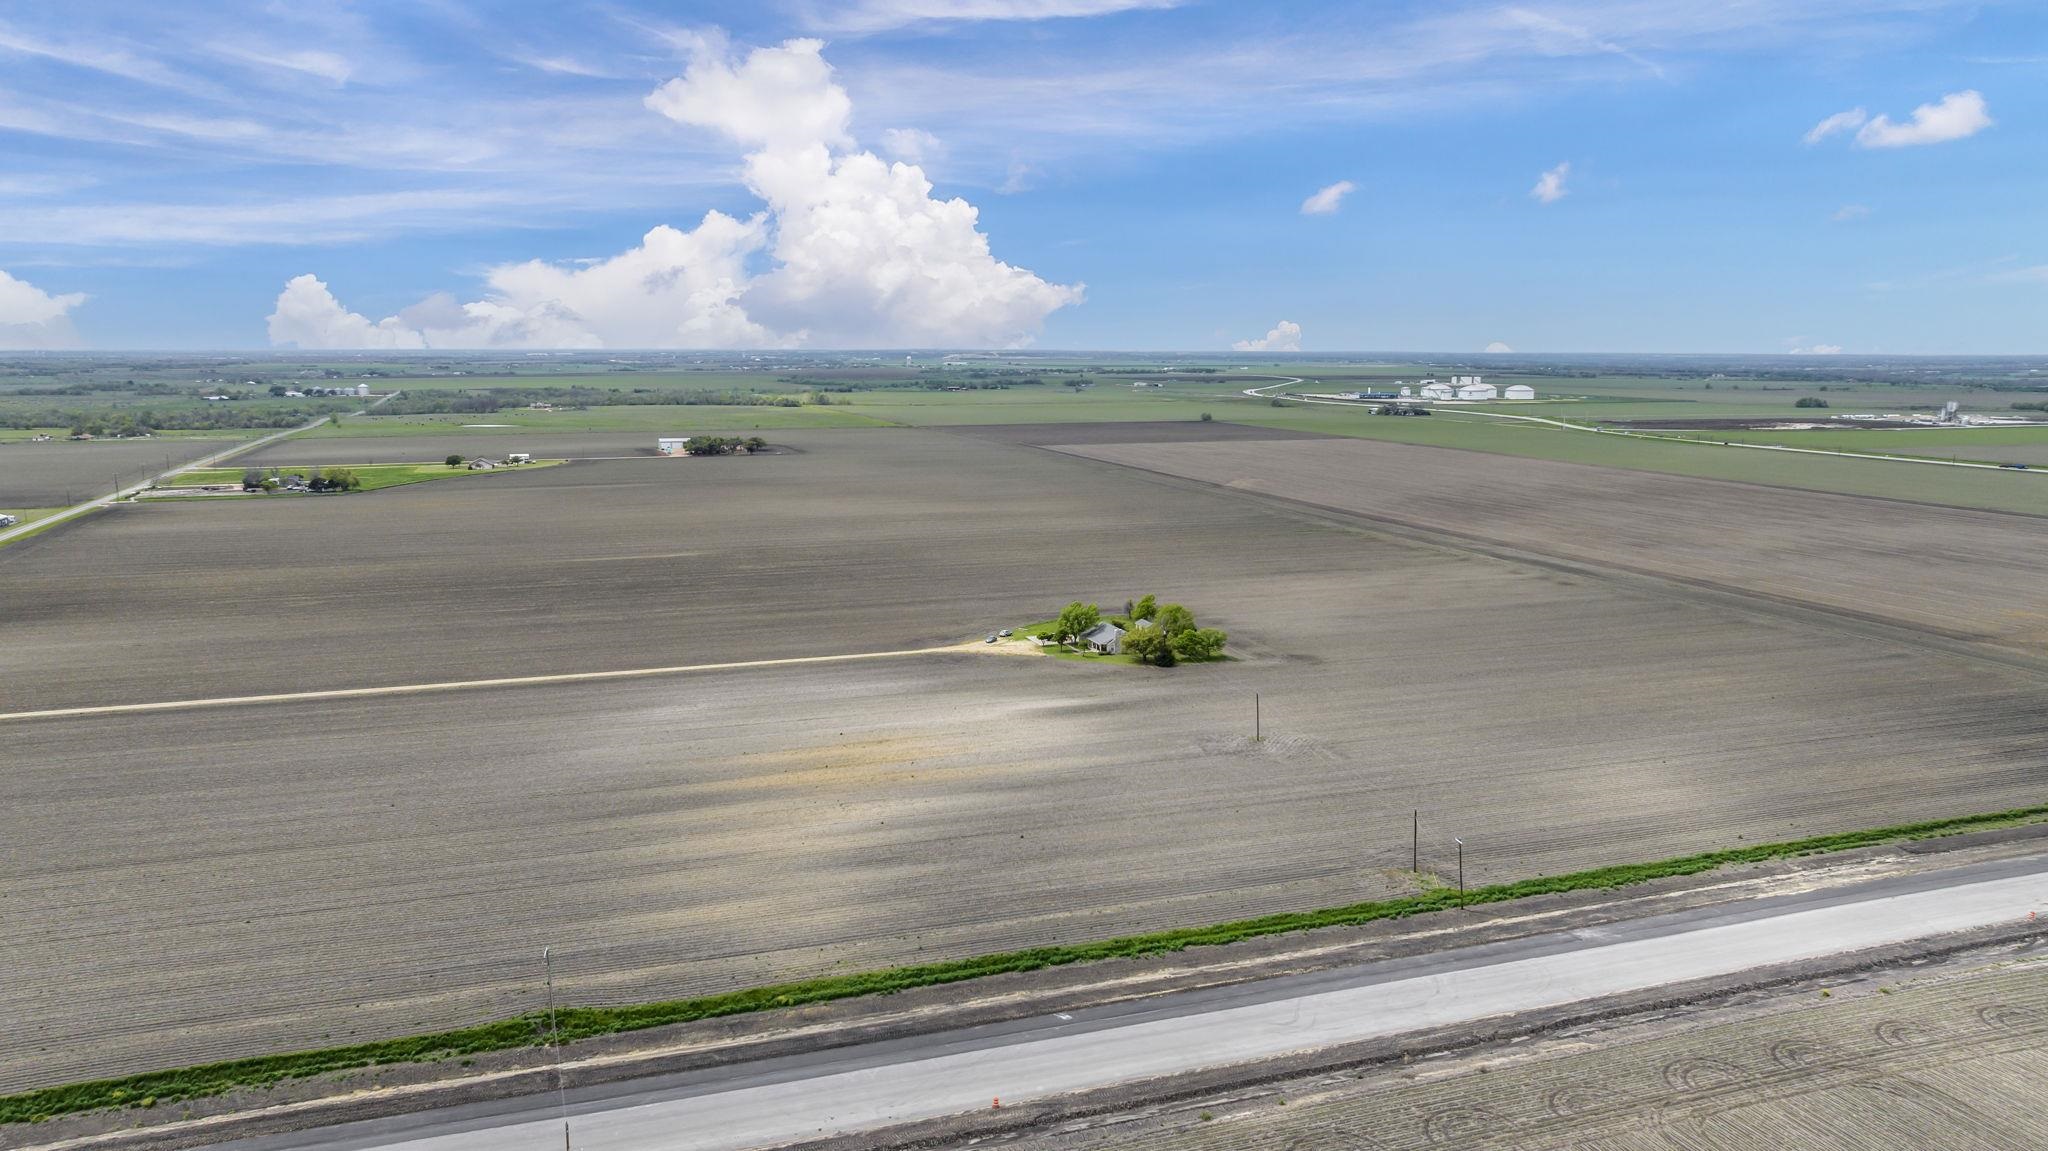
x: 156, y: 1087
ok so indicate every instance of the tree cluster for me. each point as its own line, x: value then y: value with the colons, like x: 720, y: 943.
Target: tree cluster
x: 1809, y: 402
x: 319, y: 480
x: 724, y: 445
x: 1155, y: 633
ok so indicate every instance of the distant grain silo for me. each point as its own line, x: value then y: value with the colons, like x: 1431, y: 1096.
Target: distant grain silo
x: 1519, y: 392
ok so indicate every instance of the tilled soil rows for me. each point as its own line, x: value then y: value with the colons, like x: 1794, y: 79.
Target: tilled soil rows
x: 193, y: 885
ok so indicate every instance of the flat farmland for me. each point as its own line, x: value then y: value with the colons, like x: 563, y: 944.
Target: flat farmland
x: 1953, y: 570
x: 648, y: 419
x: 419, y: 449
x: 62, y: 472
x: 857, y: 540
x: 196, y: 884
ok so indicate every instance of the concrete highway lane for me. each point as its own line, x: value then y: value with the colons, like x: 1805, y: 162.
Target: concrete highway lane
x: 922, y: 1077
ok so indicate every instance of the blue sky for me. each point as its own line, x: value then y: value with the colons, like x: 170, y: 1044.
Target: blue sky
x: 455, y: 173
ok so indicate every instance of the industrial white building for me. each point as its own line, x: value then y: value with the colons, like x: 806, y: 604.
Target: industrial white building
x: 1478, y: 391
x: 1432, y: 390
x: 671, y: 445
x: 1519, y: 392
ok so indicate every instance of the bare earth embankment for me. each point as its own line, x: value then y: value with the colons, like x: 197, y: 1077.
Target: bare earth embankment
x: 1961, y: 1063
x: 1953, y: 570
x: 190, y: 885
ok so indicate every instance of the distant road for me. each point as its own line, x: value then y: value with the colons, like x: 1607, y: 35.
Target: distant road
x: 970, y: 647
x: 215, y: 460
x: 1567, y: 425
x: 882, y: 1084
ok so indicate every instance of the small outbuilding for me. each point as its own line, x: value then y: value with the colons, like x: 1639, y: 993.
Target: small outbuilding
x: 1519, y: 392
x: 672, y: 445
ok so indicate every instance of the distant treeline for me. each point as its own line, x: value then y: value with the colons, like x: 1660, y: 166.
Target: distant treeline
x: 87, y: 388
x: 484, y: 401
x: 974, y: 381
x: 136, y: 421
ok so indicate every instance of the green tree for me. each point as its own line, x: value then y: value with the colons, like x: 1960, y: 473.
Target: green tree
x: 252, y: 478
x: 1174, y: 619
x: 453, y: 461
x: 1200, y: 644
x: 1076, y: 618
x: 1149, y: 645
x: 342, y: 480
x: 1145, y: 608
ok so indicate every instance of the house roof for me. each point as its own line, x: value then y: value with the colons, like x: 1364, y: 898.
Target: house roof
x: 1101, y: 633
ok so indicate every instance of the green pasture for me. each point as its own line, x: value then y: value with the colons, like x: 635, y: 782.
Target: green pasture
x: 1960, y: 487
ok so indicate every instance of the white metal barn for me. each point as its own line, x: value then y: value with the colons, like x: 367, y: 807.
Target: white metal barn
x: 1435, y: 391
x: 671, y: 445
x: 1519, y: 392
x: 1478, y: 392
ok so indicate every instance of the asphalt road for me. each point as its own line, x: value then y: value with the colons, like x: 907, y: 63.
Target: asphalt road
x: 877, y: 1085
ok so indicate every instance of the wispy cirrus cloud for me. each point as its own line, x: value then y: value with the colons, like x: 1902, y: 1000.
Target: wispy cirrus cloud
x: 1327, y: 199
x: 887, y: 15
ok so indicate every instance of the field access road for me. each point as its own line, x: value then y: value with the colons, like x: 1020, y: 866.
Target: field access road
x: 215, y: 460
x: 922, y: 1077
x: 474, y: 684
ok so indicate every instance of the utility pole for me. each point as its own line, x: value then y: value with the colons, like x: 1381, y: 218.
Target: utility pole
x: 1257, y: 730
x: 1461, y: 873
x: 1415, y: 843
x: 547, y: 958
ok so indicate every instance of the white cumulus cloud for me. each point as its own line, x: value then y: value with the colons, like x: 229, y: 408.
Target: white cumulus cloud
x: 1328, y: 200
x: 1550, y: 187
x: 1956, y: 116
x: 31, y: 318
x: 1497, y: 346
x: 1285, y: 336
x: 849, y: 251
x: 912, y: 145
x: 1818, y: 350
